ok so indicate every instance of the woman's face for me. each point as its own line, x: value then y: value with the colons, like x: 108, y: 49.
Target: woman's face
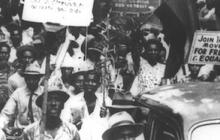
x: 152, y: 52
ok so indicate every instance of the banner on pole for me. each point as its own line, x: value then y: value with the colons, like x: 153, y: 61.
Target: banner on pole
x: 205, y: 48
x: 64, y: 12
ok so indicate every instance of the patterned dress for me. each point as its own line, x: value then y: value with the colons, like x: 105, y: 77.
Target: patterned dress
x: 148, y: 77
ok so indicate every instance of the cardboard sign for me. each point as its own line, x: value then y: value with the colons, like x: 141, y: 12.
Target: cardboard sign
x: 64, y: 12
x: 205, y: 48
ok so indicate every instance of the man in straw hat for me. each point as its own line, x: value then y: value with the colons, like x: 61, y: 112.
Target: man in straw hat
x: 122, y: 127
x: 26, y: 55
x: 20, y: 108
x: 125, y: 102
x: 55, y: 128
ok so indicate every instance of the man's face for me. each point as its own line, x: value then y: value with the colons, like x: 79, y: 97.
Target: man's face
x: 121, y: 62
x: 32, y: 81
x: 124, y: 134
x: 15, y: 37
x: 4, y: 54
x: 92, y: 82
x: 54, y: 105
x: 152, y: 52
x: 194, y: 69
x: 163, y: 56
x: 66, y: 73
x: 122, y: 51
x: 28, y: 57
x: 79, y: 82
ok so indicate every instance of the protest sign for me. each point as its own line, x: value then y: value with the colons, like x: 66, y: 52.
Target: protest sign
x: 64, y: 12
x: 205, y: 48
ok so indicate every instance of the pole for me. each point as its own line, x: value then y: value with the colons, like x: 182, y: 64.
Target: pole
x: 44, y: 108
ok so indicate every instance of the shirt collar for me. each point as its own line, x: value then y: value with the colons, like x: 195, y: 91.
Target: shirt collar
x: 38, y: 91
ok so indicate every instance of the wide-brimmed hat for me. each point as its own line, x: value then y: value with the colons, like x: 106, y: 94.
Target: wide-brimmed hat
x: 62, y: 96
x: 32, y: 69
x: 118, y: 123
x: 23, y: 48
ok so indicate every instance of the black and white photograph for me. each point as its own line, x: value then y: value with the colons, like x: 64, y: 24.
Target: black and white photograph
x: 109, y: 69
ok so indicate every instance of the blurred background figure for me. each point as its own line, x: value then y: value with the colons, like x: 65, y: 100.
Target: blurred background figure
x: 6, y: 70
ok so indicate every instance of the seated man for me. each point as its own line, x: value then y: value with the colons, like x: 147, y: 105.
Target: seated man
x: 122, y: 127
x: 54, y: 127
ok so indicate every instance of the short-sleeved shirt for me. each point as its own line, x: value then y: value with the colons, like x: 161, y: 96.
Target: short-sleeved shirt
x: 67, y: 131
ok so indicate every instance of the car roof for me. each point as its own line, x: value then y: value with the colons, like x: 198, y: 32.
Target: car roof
x: 194, y: 101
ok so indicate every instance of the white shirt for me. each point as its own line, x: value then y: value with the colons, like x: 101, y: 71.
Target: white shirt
x: 15, y: 81
x: 74, y: 107
x: 17, y: 108
x: 94, y: 126
x: 148, y: 77
x: 67, y: 131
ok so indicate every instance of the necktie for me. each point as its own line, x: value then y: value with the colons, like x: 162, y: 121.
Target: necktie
x: 30, y: 110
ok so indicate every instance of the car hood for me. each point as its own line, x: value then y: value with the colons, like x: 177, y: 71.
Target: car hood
x: 195, y: 102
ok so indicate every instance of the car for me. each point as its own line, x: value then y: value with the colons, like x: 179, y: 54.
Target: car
x: 189, y: 111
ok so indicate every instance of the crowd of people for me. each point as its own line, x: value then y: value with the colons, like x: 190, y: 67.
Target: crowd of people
x: 93, y: 75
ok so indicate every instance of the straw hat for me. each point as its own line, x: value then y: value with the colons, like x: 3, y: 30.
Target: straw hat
x: 62, y: 96
x: 122, y: 124
x: 32, y: 69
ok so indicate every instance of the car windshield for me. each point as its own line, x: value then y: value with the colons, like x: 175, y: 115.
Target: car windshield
x: 206, y: 132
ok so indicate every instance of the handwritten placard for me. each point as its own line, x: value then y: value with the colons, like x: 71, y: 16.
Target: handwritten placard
x: 205, y: 48
x: 64, y: 12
